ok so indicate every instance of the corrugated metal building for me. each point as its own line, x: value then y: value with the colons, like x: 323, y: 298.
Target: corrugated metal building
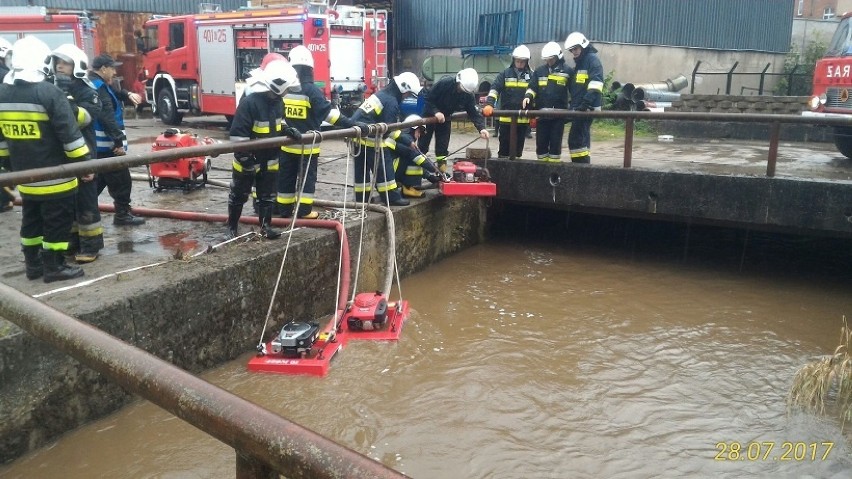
x: 753, y: 25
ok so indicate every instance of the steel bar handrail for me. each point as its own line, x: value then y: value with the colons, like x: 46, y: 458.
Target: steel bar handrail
x: 114, y: 163
x: 259, y: 436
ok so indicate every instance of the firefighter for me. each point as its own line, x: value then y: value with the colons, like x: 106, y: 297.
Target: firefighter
x: 410, y: 165
x: 6, y: 196
x: 586, y: 94
x: 447, y: 96
x: 509, y: 87
x: 259, y: 115
x: 71, y: 64
x: 111, y: 138
x: 305, y: 111
x: 38, y: 129
x: 382, y: 107
x: 548, y: 90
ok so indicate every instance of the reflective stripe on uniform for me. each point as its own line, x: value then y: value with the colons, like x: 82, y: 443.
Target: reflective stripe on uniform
x: 55, y: 246
x: 301, y: 149
x: 385, y: 186
x: 580, y: 152
x: 595, y: 85
x: 362, y: 188
x: 49, y: 187
x: 32, y: 241
x: 94, y: 229
x: 76, y: 148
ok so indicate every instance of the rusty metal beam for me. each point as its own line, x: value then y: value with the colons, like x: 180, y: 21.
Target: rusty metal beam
x: 261, y: 438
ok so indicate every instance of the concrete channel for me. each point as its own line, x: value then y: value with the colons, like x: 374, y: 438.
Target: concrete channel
x: 158, y: 289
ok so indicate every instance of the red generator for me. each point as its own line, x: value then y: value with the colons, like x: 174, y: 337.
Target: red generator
x: 182, y: 173
x: 468, y: 180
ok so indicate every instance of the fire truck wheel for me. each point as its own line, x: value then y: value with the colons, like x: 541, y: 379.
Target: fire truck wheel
x: 167, y: 108
x: 843, y: 141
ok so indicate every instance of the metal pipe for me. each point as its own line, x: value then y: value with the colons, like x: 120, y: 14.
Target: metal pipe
x: 255, y: 432
x: 762, y: 78
x: 730, y: 78
x: 628, y: 143
x: 772, y: 158
x: 694, y: 73
x: 654, y: 95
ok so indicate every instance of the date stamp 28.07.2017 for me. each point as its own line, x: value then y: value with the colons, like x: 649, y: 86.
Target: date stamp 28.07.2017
x: 773, y: 451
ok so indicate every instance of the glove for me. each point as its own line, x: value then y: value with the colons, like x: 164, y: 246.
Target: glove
x: 292, y: 133
x: 433, y: 178
x: 365, y: 127
x: 525, y: 103
x: 488, y: 110
x: 584, y: 107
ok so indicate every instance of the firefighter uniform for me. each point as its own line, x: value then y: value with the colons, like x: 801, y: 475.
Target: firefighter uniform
x: 411, y: 166
x: 446, y: 97
x: 548, y: 90
x: 6, y: 196
x: 259, y: 115
x: 509, y: 87
x: 586, y: 95
x: 87, y: 233
x: 381, y: 107
x: 38, y: 129
x: 304, y: 111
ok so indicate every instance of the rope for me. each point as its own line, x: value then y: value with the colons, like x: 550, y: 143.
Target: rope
x: 301, y: 188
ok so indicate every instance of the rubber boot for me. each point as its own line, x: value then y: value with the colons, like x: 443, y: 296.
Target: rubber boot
x: 234, y: 213
x: 123, y: 217
x: 411, y: 192
x: 55, y: 268
x: 396, y: 199
x: 32, y: 257
x: 266, y: 229
x: 585, y: 160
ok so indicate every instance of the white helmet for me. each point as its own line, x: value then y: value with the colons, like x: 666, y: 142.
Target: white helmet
x: 32, y: 60
x: 407, y: 82
x: 551, y: 49
x: 280, y: 77
x: 5, y: 47
x: 415, y: 118
x: 576, y: 39
x: 300, y: 55
x: 72, y: 54
x: 468, y: 79
x: 521, y: 52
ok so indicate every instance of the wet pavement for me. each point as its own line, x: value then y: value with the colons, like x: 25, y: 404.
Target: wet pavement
x: 162, y: 239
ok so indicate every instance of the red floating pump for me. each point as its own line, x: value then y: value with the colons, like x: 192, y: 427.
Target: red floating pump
x: 368, y: 313
x: 468, y: 180
x: 182, y: 173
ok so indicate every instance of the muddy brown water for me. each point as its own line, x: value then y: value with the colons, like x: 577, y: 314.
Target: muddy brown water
x: 528, y: 360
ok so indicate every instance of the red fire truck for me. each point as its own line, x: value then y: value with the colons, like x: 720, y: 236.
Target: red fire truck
x: 54, y: 30
x: 832, y: 85
x: 199, y: 63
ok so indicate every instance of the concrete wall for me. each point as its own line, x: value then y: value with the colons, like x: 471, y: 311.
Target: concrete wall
x: 201, y: 313
x: 807, y: 31
x: 647, y: 64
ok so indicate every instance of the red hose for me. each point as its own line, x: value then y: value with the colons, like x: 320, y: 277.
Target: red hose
x: 253, y: 220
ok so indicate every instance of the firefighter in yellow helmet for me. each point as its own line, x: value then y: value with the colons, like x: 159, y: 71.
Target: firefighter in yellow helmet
x: 509, y: 87
x: 38, y: 129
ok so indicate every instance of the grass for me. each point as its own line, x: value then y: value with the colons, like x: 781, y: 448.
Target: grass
x: 826, y: 384
x: 609, y: 129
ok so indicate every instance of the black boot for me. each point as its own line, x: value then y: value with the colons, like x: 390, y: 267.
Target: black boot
x: 32, y: 257
x: 123, y: 217
x: 234, y: 213
x: 395, y: 198
x: 55, y: 268
x: 266, y: 229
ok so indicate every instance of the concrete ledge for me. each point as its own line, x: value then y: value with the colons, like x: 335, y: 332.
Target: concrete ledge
x: 786, y: 205
x: 201, y: 313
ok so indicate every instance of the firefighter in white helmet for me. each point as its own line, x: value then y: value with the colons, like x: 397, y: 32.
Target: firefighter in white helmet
x: 38, y: 129
x: 447, y: 96
x: 305, y: 111
x: 5, y: 57
x: 71, y: 65
x: 410, y: 165
x: 6, y: 196
x: 382, y: 107
x: 260, y: 114
x: 586, y: 94
x: 509, y: 87
x: 548, y: 90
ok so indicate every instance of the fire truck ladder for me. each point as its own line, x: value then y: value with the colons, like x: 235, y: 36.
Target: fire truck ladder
x: 380, y: 33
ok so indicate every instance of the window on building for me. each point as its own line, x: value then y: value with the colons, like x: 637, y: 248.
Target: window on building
x: 828, y: 13
x: 801, y: 10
